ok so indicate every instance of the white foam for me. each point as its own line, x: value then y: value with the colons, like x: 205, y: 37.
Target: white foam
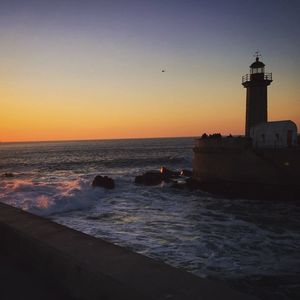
x: 45, y: 199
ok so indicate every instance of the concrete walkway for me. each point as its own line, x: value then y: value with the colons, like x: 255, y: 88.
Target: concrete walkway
x: 16, y: 283
x: 87, y: 268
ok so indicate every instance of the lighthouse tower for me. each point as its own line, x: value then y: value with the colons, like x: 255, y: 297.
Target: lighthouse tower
x: 256, y: 98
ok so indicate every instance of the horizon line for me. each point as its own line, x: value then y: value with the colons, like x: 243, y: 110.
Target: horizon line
x: 109, y: 139
x: 96, y: 139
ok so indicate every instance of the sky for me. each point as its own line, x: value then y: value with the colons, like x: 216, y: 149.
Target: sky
x: 73, y: 70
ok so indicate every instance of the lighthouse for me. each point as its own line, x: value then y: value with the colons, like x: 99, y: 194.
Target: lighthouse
x: 256, y: 84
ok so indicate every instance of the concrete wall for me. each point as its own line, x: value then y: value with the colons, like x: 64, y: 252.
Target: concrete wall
x: 234, y: 160
x: 90, y: 268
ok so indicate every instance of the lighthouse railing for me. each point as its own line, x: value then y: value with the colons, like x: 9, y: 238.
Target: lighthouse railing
x: 268, y: 76
x: 248, y: 77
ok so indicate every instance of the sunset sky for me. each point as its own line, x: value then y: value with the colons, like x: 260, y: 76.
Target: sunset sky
x: 93, y: 69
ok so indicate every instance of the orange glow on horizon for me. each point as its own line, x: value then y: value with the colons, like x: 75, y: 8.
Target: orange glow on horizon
x: 52, y: 106
x: 33, y: 121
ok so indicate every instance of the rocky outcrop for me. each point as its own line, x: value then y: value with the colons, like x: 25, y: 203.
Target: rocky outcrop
x: 103, y: 181
x: 155, y: 177
x: 167, y: 173
x: 150, y: 178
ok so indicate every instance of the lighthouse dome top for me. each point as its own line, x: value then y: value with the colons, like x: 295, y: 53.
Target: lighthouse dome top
x: 257, y: 64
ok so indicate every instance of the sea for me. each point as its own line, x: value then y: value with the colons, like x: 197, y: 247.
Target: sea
x: 250, y: 245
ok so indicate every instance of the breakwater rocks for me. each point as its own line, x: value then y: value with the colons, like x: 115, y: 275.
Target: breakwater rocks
x: 103, y: 181
x: 184, y: 180
x: 150, y: 178
x: 176, y: 179
x: 156, y: 177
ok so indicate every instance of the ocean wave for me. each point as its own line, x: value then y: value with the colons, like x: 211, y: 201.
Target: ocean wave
x: 47, y: 198
x: 88, y: 165
x: 146, y: 161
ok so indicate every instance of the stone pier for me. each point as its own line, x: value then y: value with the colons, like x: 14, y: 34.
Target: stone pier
x: 84, y: 267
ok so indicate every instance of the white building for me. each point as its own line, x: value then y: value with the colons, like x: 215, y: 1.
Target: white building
x: 278, y: 134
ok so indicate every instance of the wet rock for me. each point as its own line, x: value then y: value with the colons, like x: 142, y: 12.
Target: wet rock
x: 167, y: 173
x: 155, y: 177
x: 150, y: 178
x: 186, y: 173
x: 103, y: 181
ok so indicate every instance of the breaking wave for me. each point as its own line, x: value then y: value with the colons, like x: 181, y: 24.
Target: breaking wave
x: 48, y: 198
